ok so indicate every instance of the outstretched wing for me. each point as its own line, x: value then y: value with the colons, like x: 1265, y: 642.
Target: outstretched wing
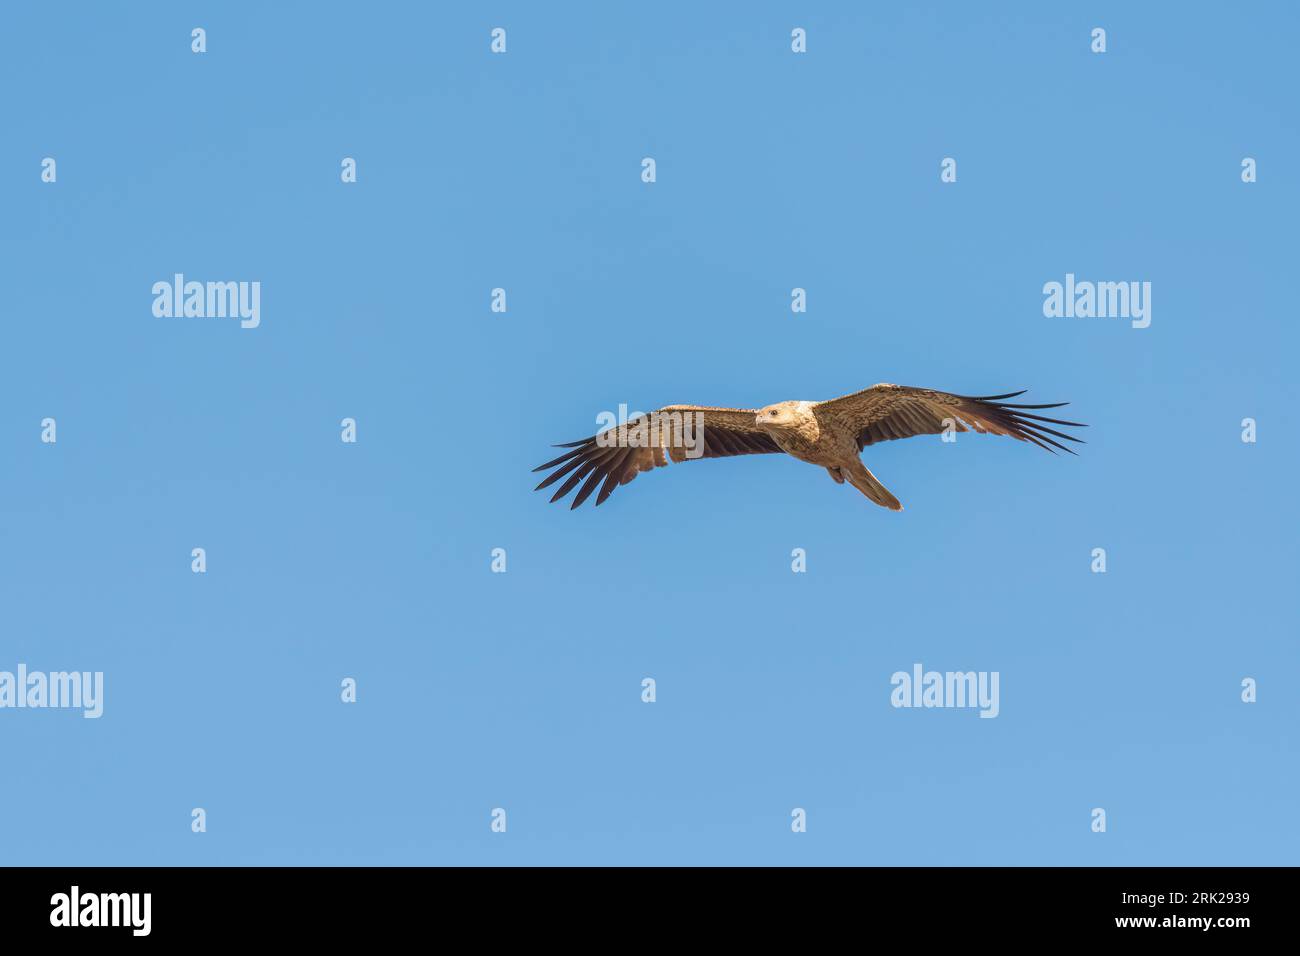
x: 886, y: 412
x: 673, y: 433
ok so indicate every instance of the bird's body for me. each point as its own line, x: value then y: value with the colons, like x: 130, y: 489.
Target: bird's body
x: 800, y: 433
x: 831, y: 434
x: 814, y: 432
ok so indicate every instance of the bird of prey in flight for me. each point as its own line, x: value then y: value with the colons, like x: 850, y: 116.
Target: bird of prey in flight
x: 831, y: 434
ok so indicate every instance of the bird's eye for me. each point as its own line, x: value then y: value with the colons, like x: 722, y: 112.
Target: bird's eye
x: 772, y: 413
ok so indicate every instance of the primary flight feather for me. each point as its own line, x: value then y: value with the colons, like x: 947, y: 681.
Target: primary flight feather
x: 831, y: 434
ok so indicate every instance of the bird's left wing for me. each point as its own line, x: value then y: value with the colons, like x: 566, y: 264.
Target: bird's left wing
x: 673, y: 433
x: 886, y: 412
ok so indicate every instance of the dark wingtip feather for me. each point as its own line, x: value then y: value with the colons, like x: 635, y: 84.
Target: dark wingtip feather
x: 556, y: 461
x: 612, y: 476
x: 1029, y: 427
x: 561, y: 471
x: 587, y: 488
x: 1054, y: 421
x: 995, y: 398
x: 573, y: 479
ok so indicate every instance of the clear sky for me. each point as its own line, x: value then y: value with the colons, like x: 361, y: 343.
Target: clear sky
x: 523, y: 690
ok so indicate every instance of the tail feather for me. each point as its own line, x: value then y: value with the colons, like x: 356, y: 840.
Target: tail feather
x: 867, y: 483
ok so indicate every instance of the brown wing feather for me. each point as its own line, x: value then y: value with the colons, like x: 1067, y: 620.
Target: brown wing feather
x: 617, y: 455
x: 888, y: 412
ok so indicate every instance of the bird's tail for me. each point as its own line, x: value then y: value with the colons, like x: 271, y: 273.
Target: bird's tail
x: 867, y: 483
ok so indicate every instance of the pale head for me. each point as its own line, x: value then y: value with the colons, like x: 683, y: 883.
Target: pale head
x: 783, y: 416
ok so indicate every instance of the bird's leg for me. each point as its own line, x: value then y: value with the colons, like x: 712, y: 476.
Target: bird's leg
x: 835, y: 473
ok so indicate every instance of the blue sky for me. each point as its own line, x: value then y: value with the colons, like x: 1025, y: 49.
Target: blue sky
x: 523, y: 690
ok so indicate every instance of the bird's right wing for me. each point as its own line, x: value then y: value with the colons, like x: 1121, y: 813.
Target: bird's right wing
x: 673, y: 433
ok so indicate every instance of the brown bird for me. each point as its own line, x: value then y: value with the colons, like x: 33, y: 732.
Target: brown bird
x: 831, y: 434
